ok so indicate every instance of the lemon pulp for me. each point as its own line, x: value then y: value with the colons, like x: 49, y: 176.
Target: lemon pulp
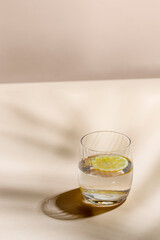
x: 109, y: 163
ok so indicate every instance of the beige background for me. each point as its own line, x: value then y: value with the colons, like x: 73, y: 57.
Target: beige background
x: 39, y: 137
x: 79, y: 39
x: 40, y: 128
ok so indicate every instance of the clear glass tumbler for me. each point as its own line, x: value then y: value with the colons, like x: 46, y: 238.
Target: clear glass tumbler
x: 105, y: 168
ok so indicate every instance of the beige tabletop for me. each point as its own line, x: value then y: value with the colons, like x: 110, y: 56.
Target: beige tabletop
x: 40, y: 128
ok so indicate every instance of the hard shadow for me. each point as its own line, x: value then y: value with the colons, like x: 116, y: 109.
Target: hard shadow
x: 70, y: 206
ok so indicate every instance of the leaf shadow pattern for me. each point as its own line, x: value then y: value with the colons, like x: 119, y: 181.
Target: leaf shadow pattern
x: 70, y: 206
x: 26, y: 118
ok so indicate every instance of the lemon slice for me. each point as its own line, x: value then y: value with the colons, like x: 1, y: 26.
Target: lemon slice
x: 109, y: 163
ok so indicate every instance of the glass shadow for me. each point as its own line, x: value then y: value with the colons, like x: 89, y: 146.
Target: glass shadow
x: 70, y: 206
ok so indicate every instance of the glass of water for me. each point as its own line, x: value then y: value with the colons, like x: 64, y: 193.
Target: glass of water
x: 105, y: 168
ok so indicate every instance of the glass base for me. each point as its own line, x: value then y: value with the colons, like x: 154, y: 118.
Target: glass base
x: 104, y: 198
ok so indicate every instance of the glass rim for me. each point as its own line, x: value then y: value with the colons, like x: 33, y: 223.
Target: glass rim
x: 105, y: 131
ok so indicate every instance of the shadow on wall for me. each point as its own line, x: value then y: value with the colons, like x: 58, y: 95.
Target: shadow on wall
x: 31, y: 63
x: 64, y: 63
x: 60, y: 40
x: 82, y: 40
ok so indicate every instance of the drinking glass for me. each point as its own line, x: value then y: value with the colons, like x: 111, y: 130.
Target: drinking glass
x: 105, y: 167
